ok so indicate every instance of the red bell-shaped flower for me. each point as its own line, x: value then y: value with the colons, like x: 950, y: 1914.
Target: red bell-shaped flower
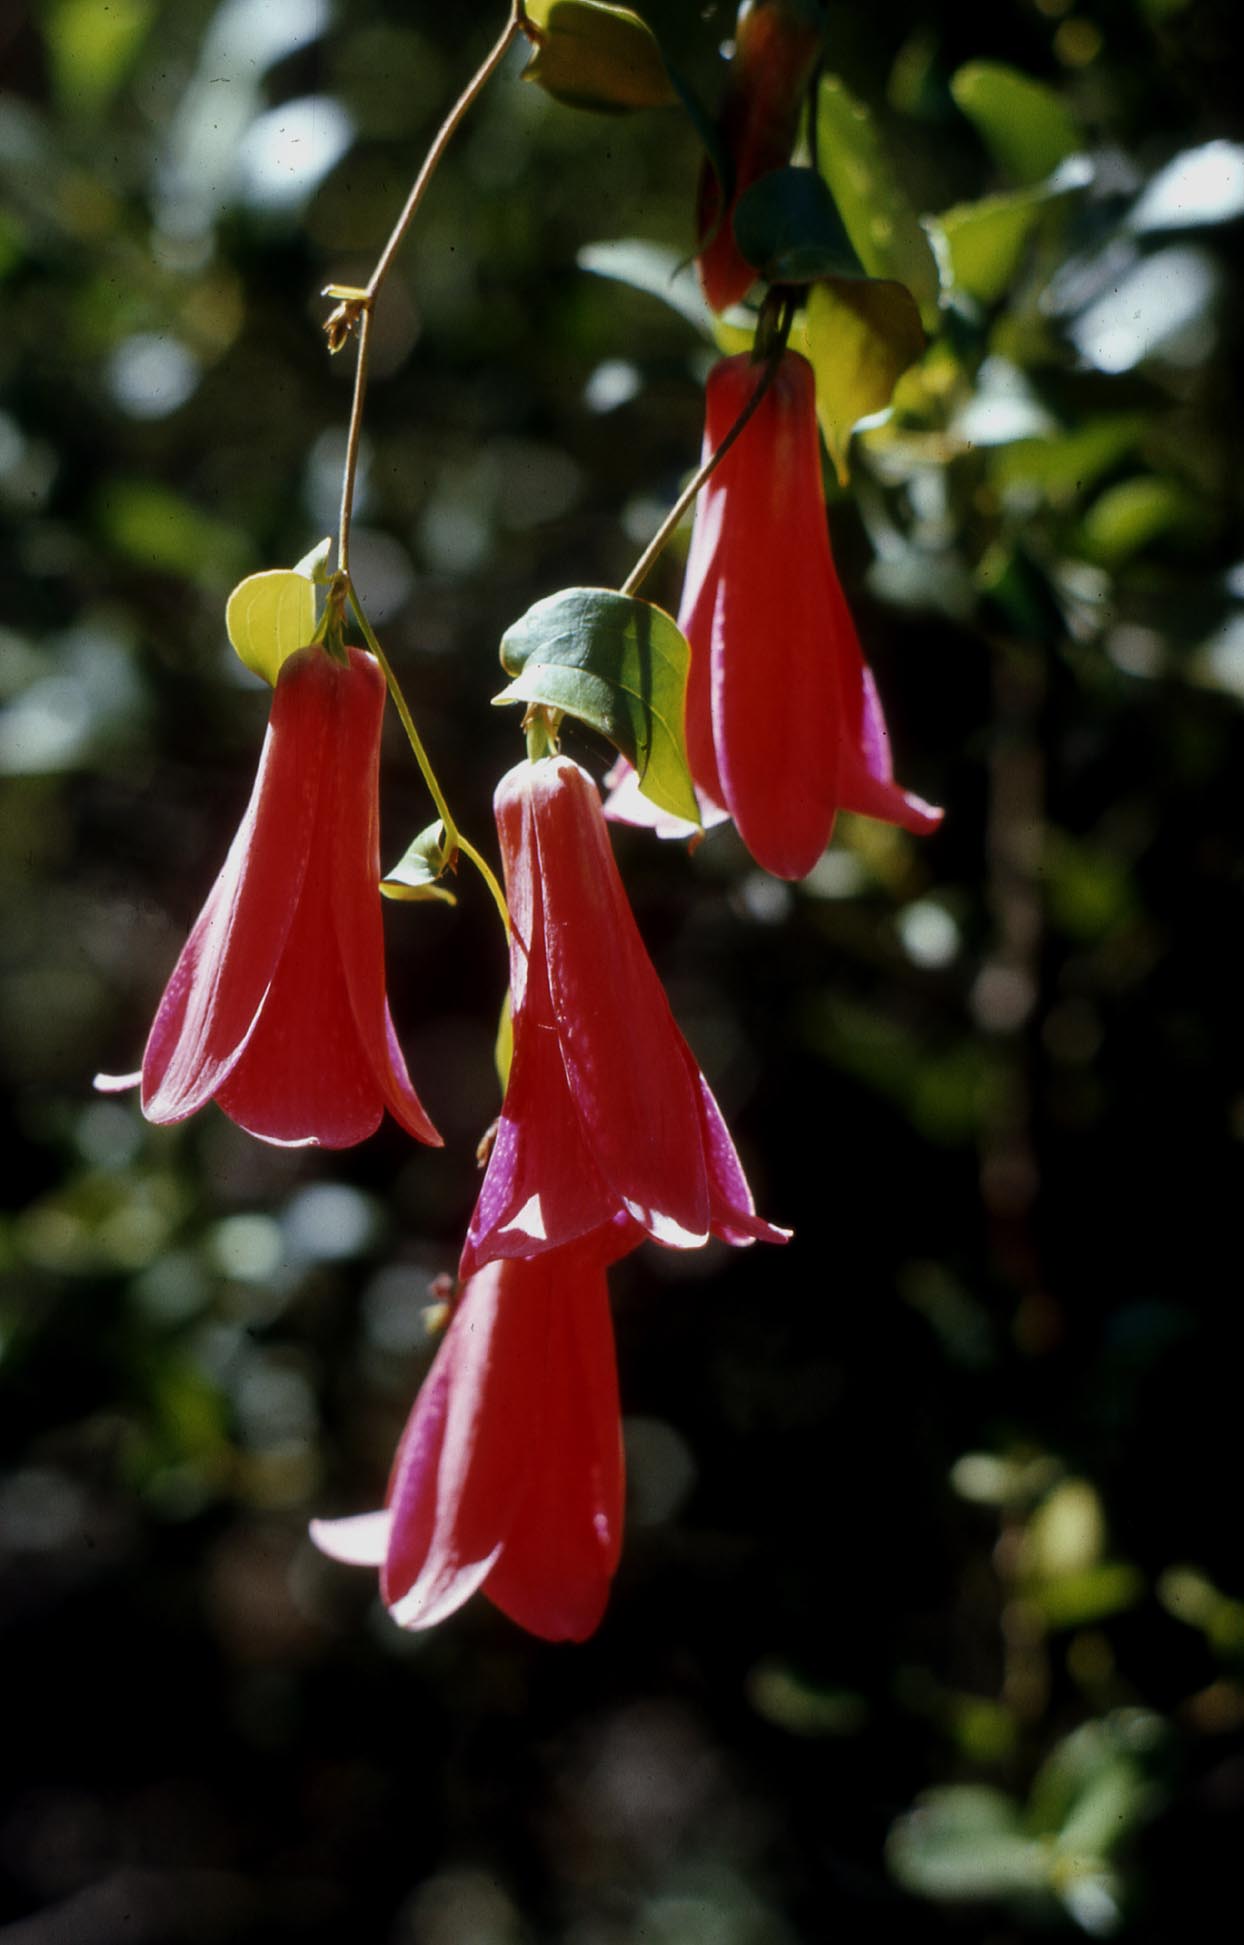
x: 784, y: 724
x: 276, y: 1008
x: 606, y: 1114
x: 775, y: 49
x: 509, y: 1474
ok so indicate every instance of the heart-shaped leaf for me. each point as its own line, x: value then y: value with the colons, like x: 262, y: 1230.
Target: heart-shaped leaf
x: 788, y: 228
x: 863, y: 333
x: 1025, y: 126
x: 594, y: 56
x: 618, y: 664
x: 268, y: 616
x: 880, y: 221
x: 414, y: 875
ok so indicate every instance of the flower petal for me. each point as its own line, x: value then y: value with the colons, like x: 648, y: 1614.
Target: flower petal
x: 509, y: 1473
x: 542, y: 1187
x: 734, y: 1210
x: 457, y: 1475
x: 361, y: 1541
x: 212, y: 1000
x: 356, y: 889
x: 623, y: 1054
x: 775, y: 695
x: 554, y: 1571
x: 868, y: 785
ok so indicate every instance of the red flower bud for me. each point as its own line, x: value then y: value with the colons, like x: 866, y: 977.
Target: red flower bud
x: 784, y: 724
x: 775, y: 50
x: 276, y: 1008
x: 509, y: 1474
x: 606, y: 1115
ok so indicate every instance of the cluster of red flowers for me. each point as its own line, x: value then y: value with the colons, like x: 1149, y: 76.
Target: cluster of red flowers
x: 509, y: 1475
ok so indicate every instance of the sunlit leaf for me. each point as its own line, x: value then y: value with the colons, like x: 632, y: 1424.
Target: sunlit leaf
x: 618, y: 664
x: 879, y: 218
x: 1069, y: 463
x: 268, y: 616
x: 158, y: 529
x: 1025, y: 126
x: 92, y: 47
x: 656, y: 270
x: 596, y: 56
x: 1127, y: 517
x: 1089, y: 1596
x: 986, y: 240
x: 314, y: 563
x: 413, y: 878
x: 965, y: 1841
x: 863, y: 334
x: 788, y: 228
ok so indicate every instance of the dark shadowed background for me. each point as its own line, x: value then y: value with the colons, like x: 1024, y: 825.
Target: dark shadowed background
x: 931, y: 1610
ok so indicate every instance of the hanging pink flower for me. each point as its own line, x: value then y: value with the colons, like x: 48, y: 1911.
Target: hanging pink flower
x: 508, y: 1478
x: 276, y: 1009
x: 775, y: 51
x: 784, y: 723
x: 606, y: 1115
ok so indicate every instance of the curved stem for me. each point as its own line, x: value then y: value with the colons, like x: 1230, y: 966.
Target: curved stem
x: 516, y: 24
x: 454, y: 840
x: 453, y: 837
x: 353, y: 438
x: 663, y: 533
x: 357, y: 305
x: 489, y: 877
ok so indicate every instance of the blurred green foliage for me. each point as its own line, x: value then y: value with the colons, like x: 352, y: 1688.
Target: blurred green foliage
x: 930, y: 1610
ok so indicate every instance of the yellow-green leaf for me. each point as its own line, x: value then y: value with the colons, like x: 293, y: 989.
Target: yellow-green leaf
x: 879, y: 218
x: 1025, y: 126
x: 413, y: 878
x: 863, y: 334
x: 985, y: 241
x: 268, y: 616
x: 618, y: 664
x: 596, y: 56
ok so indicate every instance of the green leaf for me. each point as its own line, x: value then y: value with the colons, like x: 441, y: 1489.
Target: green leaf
x: 268, y: 616
x: 159, y: 530
x: 879, y: 218
x: 1090, y: 1595
x: 656, y: 270
x: 92, y: 47
x: 618, y: 664
x: 596, y: 56
x: 1070, y: 463
x: 413, y: 878
x: 1127, y: 517
x: 863, y: 334
x: 985, y: 241
x: 965, y: 1840
x: 314, y: 563
x: 1025, y: 126
x: 788, y: 228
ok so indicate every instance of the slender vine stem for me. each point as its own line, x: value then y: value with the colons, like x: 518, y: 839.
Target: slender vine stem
x: 667, y: 527
x: 354, y: 312
x: 454, y: 840
x: 353, y: 438
x: 357, y: 305
x: 489, y: 877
